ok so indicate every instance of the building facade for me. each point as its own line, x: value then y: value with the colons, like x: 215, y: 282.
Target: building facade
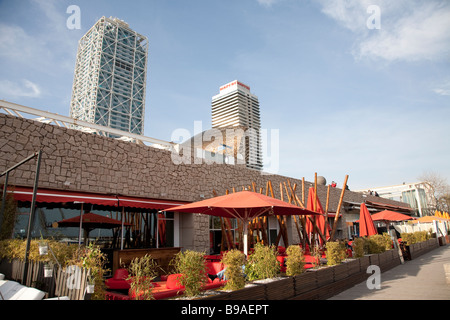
x: 123, y: 179
x: 418, y: 195
x: 110, y: 77
x: 236, y: 107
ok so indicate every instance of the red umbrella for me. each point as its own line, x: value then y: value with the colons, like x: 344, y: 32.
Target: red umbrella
x: 243, y: 205
x: 90, y: 221
x: 390, y: 216
x: 366, y: 226
x: 320, y: 219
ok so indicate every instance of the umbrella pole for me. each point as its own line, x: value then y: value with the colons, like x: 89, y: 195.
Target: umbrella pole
x: 121, y: 231
x: 81, y: 226
x: 245, y: 223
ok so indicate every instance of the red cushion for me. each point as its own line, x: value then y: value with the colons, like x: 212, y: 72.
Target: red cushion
x: 164, y: 277
x: 117, y: 284
x: 214, y: 267
x: 173, y: 281
x: 121, y: 274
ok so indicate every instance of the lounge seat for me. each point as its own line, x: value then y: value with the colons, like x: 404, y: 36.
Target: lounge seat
x: 119, y: 280
x: 213, y: 268
x: 11, y: 290
x: 167, y: 289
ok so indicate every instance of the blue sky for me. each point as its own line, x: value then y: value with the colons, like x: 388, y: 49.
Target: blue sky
x: 345, y: 98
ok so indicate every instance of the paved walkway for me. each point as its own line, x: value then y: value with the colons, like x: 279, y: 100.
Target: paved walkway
x: 420, y: 279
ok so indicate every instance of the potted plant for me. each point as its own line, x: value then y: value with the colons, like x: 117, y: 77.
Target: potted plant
x: 192, y: 265
x: 233, y: 261
x: 295, y: 261
x: 48, y: 270
x: 43, y: 247
x: 141, y: 273
x: 262, y: 263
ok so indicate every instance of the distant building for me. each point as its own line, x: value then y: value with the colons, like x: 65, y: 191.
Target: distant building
x: 418, y: 195
x: 236, y: 107
x: 110, y: 77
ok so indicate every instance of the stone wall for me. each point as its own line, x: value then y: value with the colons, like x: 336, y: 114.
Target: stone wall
x: 78, y: 161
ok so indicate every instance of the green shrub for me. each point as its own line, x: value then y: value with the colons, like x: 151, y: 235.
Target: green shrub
x: 192, y: 265
x: 15, y: 249
x: 414, y: 237
x: 233, y: 261
x: 295, y: 260
x: 262, y: 263
x: 408, y: 238
x: 142, y: 271
x: 91, y: 257
x: 9, y: 217
x: 387, y: 241
x: 420, y: 236
x: 377, y: 243
x: 359, y: 245
x: 335, y: 252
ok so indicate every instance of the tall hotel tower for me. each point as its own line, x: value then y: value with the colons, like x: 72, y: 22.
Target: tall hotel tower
x: 110, y: 77
x: 236, y: 107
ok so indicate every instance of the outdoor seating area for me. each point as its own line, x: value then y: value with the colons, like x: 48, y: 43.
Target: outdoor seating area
x: 163, y: 287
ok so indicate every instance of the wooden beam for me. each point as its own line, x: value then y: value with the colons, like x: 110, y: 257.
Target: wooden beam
x: 333, y: 231
x: 326, y: 212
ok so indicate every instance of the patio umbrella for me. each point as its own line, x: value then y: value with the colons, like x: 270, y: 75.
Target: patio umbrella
x: 390, y: 216
x: 429, y: 219
x: 243, y: 205
x: 320, y: 218
x: 366, y: 226
x: 91, y: 221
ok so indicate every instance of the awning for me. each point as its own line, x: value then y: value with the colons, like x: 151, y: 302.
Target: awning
x: 146, y: 203
x: 385, y: 206
x: 63, y: 196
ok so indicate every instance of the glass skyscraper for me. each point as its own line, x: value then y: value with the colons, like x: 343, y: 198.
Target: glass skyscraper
x: 110, y: 77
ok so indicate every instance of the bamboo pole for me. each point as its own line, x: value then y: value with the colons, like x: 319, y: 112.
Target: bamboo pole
x: 313, y: 240
x: 282, y: 220
x: 291, y: 197
x: 303, y: 190
x: 338, y: 209
x: 326, y: 212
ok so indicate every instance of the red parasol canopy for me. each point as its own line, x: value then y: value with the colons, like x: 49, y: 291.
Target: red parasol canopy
x: 366, y: 226
x: 91, y: 221
x: 243, y: 205
x: 320, y: 218
x: 390, y: 216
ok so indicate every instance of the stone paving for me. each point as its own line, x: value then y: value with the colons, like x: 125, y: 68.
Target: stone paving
x: 420, y: 279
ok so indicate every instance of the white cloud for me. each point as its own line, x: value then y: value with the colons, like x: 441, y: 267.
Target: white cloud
x: 267, y: 3
x: 443, y: 90
x: 25, y: 88
x: 410, y: 30
x: 42, y: 51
